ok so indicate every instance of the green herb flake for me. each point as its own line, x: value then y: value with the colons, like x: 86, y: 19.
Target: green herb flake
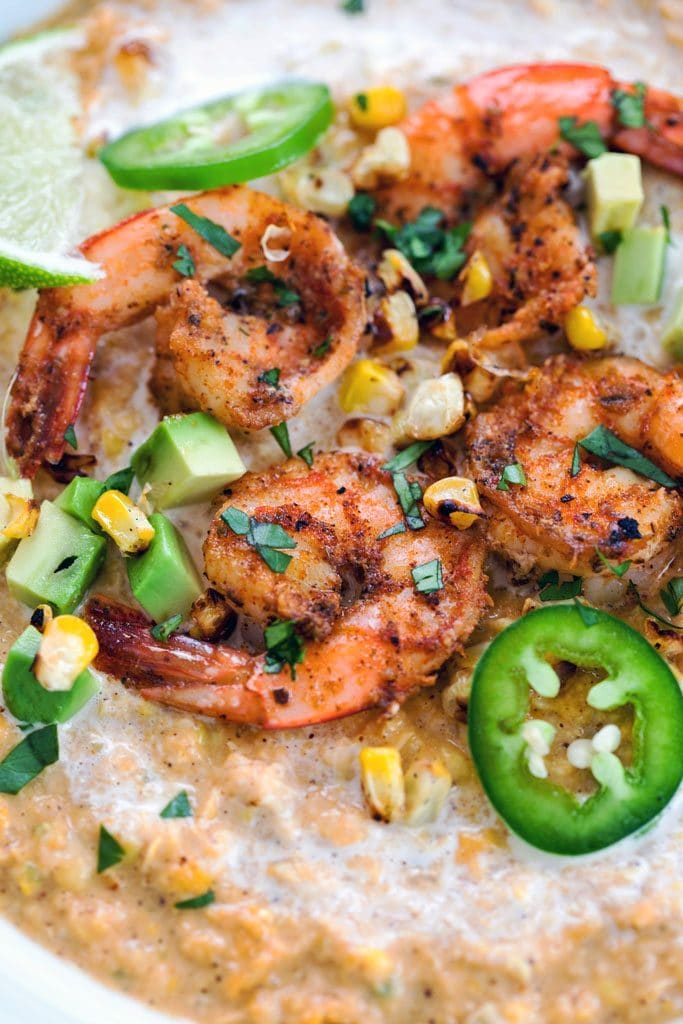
x: 589, y: 616
x: 264, y: 537
x: 630, y: 106
x: 281, y: 435
x: 163, y: 630
x: 184, y: 264
x: 70, y: 437
x: 553, y: 590
x: 178, y: 807
x: 672, y: 595
x: 361, y: 210
x: 26, y: 761
x: 606, y: 445
x: 610, y: 240
x: 270, y: 535
x: 121, y: 480
x: 283, y: 647
x: 392, y: 531
x: 635, y: 593
x: 428, y: 578
x: 585, y: 137
x: 666, y: 221
x: 271, y: 377
x: 408, y: 456
x: 109, y: 851
x: 237, y: 520
x: 197, y: 902
x: 278, y: 561
x: 427, y: 244
x: 576, y: 461
x: 323, y: 348
x: 409, y: 494
x: 216, y: 235
x: 616, y: 570
x: 361, y: 100
x: 353, y: 6
x: 261, y: 274
x: 306, y: 453
x: 512, y: 474
x: 285, y: 296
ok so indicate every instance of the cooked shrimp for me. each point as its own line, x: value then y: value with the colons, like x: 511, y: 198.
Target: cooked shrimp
x: 556, y: 520
x: 138, y: 257
x: 483, y: 125
x: 371, y: 648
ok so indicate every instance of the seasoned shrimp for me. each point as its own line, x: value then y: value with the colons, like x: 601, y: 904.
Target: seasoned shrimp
x: 138, y: 257
x: 371, y: 647
x: 558, y: 521
x: 476, y: 131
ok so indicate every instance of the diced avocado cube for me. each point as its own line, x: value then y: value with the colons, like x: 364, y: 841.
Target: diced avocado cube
x: 78, y: 499
x: 639, y: 267
x: 57, y: 563
x: 672, y: 339
x: 614, y: 190
x: 22, y: 489
x: 187, y: 459
x: 27, y: 699
x: 164, y: 578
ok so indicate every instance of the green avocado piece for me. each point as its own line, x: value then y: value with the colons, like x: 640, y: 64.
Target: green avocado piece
x: 22, y: 489
x: 27, y: 699
x: 639, y: 267
x: 57, y: 563
x: 672, y: 338
x: 78, y: 499
x: 187, y: 459
x: 614, y: 191
x: 164, y: 578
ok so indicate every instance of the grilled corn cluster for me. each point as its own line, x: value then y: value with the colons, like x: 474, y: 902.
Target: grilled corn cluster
x: 583, y: 331
x: 377, y: 108
x: 371, y: 387
x: 124, y: 522
x: 415, y: 796
x: 67, y: 648
x: 455, y: 499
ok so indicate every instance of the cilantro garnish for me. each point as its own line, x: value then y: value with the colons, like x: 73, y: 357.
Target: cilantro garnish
x: 353, y: 6
x: 606, y: 445
x: 163, y: 630
x: 184, y: 264
x: 306, y: 453
x: 512, y: 474
x: 589, y: 616
x: 361, y: 210
x: 427, y: 245
x: 409, y: 493
x: 633, y: 590
x: 616, y: 570
x: 197, y: 902
x: 109, y: 851
x: 630, y: 106
x: 281, y: 434
x: 672, y: 595
x: 260, y: 274
x: 178, y: 807
x: 283, y: 647
x: 266, y: 538
x: 26, y: 761
x: 610, y: 240
x: 285, y: 296
x: 216, y: 235
x: 428, y: 578
x: 585, y: 137
x: 70, y: 437
x: 362, y: 100
x: 323, y: 348
x: 408, y: 456
x: 121, y: 480
x: 392, y: 530
x: 271, y: 377
x: 553, y: 590
x: 576, y: 461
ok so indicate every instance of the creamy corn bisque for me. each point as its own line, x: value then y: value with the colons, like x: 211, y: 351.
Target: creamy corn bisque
x: 323, y: 914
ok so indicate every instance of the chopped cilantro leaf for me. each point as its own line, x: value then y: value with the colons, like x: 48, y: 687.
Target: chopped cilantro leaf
x: 283, y: 647
x: 408, y: 456
x: 281, y: 435
x: 392, y: 531
x: 353, y: 6
x: 26, y: 761
x: 271, y: 377
x: 672, y: 595
x: 70, y: 437
x: 362, y: 100
x: 606, y: 445
x: 361, y: 210
x: 427, y: 245
x: 178, y: 807
x: 121, y: 480
x: 553, y: 590
x: 633, y: 590
x: 259, y: 274
x: 109, y: 851
x: 512, y: 474
x: 266, y: 538
x: 285, y: 296
x: 163, y: 630
x: 610, y: 240
x: 616, y: 570
x: 584, y: 137
x: 428, y: 578
x: 197, y: 902
x: 184, y: 264
x: 576, y: 461
x: 216, y: 235
x: 270, y: 535
x: 409, y: 493
x: 630, y: 106
x: 306, y: 453
x: 237, y: 520
x: 323, y: 348
x: 278, y: 561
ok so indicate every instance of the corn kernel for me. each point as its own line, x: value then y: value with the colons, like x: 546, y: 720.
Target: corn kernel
x: 23, y: 516
x: 325, y: 190
x: 457, y: 350
x: 455, y: 499
x: 382, y: 782
x: 67, y: 647
x: 378, y: 107
x: 387, y: 160
x: 124, y: 522
x: 477, y: 279
x: 369, y: 386
x: 395, y: 323
x: 480, y: 384
x: 583, y: 331
x: 427, y: 786
x: 444, y: 327
x: 394, y: 271
x: 436, y: 409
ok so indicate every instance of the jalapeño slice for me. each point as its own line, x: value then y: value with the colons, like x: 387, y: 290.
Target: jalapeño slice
x: 230, y: 140
x: 629, y: 796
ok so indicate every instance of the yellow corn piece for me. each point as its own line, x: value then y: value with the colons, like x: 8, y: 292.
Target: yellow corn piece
x: 394, y: 271
x: 427, y: 786
x: 396, y: 323
x: 67, y: 648
x: 477, y: 279
x: 23, y: 516
x: 583, y: 331
x: 124, y: 522
x: 378, y: 107
x: 436, y: 408
x: 382, y: 781
x: 456, y: 351
x: 371, y: 387
x: 455, y: 499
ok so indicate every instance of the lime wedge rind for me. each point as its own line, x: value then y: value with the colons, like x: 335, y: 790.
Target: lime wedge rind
x: 39, y: 44
x: 22, y: 268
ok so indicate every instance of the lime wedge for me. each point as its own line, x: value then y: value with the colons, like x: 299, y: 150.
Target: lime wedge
x: 40, y: 164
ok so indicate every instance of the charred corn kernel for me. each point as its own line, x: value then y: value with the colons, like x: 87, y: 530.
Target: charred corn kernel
x: 372, y: 387
x: 23, y: 516
x: 481, y: 384
x: 477, y: 279
x: 385, y: 161
x: 583, y: 332
x: 394, y: 271
x: 382, y: 781
x: 395, y: 323
x: 67, y: 648
x: 378, y: 107
x: 436, y: 409
x: 427, y: 785
x: 443, y: 327
x: 325, y: 190
x: 124, y: 522
x: 42, y: 616
x: 455, y: 499
x: 457, y: 350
